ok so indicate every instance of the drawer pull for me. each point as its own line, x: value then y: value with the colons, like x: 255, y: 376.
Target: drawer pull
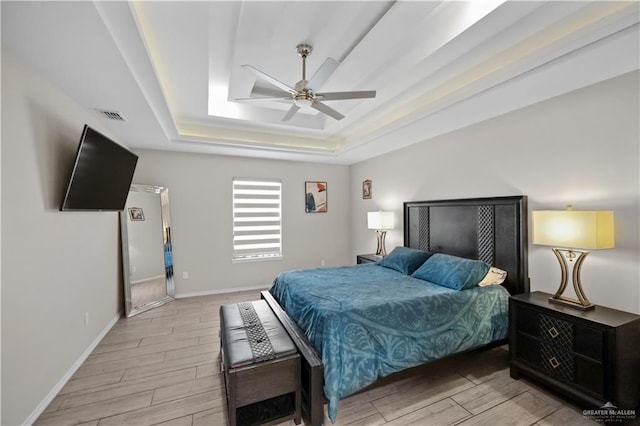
x: 553, y: 332
x: 554, y: 362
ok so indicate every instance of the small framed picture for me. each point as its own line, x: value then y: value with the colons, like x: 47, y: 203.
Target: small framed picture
x: 315, y: 197
x: 136, y: 213
x: 366, y: 190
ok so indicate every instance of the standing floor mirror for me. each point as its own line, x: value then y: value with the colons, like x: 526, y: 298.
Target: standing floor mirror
x: 147, y: 253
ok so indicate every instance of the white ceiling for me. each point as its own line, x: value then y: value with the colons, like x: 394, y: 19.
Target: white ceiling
x: 173, y: 68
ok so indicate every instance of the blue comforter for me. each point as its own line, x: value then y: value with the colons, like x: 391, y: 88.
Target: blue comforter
x: 368, y: 321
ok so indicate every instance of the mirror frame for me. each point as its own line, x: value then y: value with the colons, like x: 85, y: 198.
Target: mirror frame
x: 163, y: 195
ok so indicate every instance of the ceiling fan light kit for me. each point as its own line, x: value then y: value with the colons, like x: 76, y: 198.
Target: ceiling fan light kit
x: 303, y: 101
x: 303, y: 93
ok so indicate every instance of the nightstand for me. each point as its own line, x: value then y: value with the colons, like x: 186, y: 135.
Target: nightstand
x: 368, y: 258
x: 591, y: 357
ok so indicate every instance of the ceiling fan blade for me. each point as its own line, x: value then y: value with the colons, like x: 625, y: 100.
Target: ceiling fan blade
x: 270, y: 79
x: 294, y: 108
x: 323, y: 74
x: 265, y: 98
x: 334, y: 96
x: 325, y: 109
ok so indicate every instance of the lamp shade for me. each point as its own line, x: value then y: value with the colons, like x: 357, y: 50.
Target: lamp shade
x: 574, y: 229
x: 380, y: 220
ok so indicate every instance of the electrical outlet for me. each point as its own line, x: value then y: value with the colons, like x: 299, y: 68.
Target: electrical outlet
x: 86, y: 319
x: 185, y: 275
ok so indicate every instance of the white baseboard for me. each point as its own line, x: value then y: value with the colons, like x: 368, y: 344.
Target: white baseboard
x: 63, y: 381
x: 220, y: 291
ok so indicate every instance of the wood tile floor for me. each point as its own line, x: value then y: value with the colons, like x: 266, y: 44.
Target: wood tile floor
x: 162, y: 368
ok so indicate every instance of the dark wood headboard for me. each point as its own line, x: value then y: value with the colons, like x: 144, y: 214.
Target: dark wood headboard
x: 490, y: 229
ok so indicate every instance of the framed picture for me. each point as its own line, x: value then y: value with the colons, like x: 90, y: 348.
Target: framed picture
x: 366, y: 190
x: 136, y: 213
x: 315, y: 197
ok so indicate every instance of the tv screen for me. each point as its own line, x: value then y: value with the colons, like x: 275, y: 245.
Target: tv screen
x: 101, y: 175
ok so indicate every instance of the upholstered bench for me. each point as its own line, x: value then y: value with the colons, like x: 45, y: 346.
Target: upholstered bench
x: 261, y: 365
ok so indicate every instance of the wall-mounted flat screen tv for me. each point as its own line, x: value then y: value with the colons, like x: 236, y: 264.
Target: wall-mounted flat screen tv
x: 101, y: 176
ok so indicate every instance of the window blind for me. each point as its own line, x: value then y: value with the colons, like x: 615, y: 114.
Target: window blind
x: 257, y: 219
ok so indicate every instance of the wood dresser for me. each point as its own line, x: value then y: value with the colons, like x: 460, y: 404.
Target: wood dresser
x: 367, y: 258
x: 591, y: 357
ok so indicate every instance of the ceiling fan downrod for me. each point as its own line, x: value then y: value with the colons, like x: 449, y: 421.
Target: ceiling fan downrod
x: 304, y: 50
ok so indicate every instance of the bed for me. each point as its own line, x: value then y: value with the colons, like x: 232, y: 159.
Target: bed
x: 355, y: 324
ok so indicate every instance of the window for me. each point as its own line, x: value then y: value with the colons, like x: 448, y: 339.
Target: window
x: 257, y: 223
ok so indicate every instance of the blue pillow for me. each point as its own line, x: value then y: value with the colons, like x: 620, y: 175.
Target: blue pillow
x: 454, y: 272
x: 405, y: 259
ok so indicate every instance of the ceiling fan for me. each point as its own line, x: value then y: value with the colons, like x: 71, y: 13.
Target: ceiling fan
x: 304, y: 92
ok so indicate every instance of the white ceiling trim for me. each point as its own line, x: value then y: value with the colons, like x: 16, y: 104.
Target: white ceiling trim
x: 542, y: 83
x: 528, y: 48
x: 120, y: 21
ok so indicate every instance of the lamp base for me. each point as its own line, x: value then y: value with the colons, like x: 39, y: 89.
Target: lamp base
x: 570, y: 303
x: 381, y: 250
x: 578, y: 255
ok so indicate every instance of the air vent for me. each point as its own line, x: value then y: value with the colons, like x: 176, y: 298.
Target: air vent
x: 111, y: 115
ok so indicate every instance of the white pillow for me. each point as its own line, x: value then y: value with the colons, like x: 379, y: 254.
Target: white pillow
x: 495, y: 276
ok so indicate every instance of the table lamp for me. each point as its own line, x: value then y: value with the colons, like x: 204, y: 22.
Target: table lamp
x: 381, y: 222
x: 571, y: 233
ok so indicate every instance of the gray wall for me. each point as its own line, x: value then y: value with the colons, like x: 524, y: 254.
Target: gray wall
x: 56, y: 266
x: 581, y: 148
x: 201, y: 217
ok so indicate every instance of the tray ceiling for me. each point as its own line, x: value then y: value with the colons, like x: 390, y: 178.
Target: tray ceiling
x: 172, y: 69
